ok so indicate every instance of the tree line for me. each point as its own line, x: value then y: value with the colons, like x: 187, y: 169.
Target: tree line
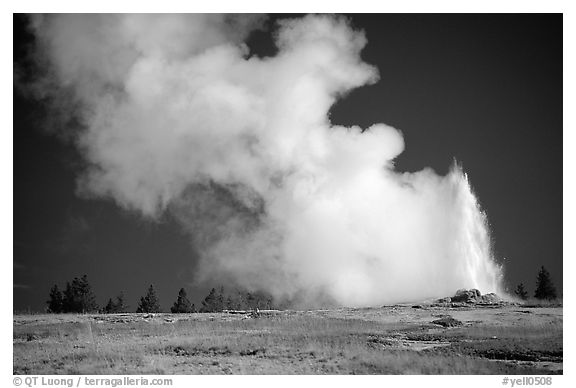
x: 545, y: 289
x: 78, y: 297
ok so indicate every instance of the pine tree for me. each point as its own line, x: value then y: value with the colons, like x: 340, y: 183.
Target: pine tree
x: 68, y: 299
x: 55, y: 304
x: 229, y: 305
x: 544, y: 287
x: 142, y: 306
x: 116, y: 306
x: 250, y: 301
x: 220, y: 299
x: 119, y: 305
x: 78, y: 297
x: 521, y: 292
x: 87, y: 300
x: 149, y: 303
x: 182, y: 304
x: 109, y: 308
x: 240, y: 301
x: 209, y: 304
x: 262, y: 300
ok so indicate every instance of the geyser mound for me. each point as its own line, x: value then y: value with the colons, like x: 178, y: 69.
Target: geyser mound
x: 177, y: 117
x: 473, y: 296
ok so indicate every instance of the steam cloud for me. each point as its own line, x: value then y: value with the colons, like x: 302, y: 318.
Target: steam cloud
x: 178, y: 118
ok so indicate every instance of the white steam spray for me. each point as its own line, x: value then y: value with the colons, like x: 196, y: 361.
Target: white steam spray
x: 178, y: 118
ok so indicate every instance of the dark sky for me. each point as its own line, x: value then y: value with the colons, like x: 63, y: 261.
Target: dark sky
x: 484, y: 89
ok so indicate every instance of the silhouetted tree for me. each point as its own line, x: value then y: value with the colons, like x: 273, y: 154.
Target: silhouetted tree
x: 240, y: 301
x: 119, y: 305
x: 78, y: 297
x: 220, y: 299
x: 262, y: 300
x: 55, y: 304
x: 86, y: 296
x: 544, y: 287
x: 229, y: 304
x: 109, y: 308
x: 250, y: 301
x: 234, y: 301
x: 68, y: 299
x: 210, y: 303
x: 182, y: 304
x: 149, y: 303
x: 521, y: 292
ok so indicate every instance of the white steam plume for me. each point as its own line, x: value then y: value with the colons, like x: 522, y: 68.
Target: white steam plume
x: 177, y: 117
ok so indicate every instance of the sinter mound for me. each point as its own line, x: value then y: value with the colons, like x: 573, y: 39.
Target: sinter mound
x: 472, y: 296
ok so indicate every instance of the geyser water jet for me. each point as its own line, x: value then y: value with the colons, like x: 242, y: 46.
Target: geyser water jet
x: 177, y: 117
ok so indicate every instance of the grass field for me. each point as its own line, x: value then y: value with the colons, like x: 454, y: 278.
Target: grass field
x: 387, y: 340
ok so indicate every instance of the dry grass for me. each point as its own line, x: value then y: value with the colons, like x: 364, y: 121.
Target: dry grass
x: 285, y: 343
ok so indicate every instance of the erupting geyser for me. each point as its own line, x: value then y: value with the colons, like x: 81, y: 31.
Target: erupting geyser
x: 177, y: 117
